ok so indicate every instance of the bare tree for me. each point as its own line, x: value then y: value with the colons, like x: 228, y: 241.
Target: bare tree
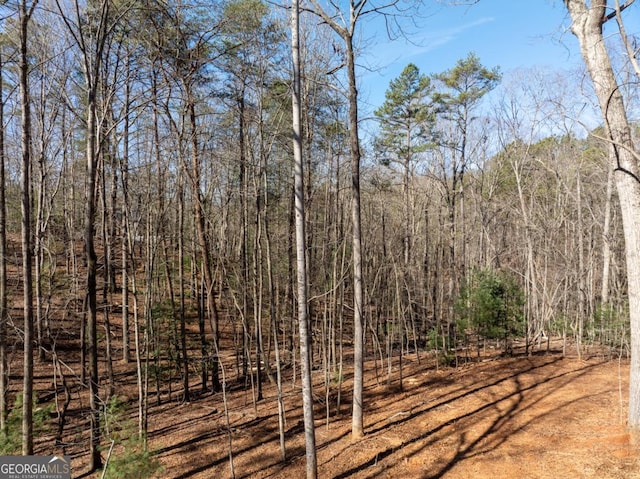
x: 301, y: 261
x: 347, y: 33
x: 588, y: 19
x: 91, y: 39
x: 25, y: 14
x: 345, y: 24
x: 4, y: 313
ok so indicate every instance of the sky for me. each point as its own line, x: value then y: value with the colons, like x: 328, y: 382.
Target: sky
x: 511, y: 34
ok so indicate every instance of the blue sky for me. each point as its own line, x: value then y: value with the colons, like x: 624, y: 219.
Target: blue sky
x: 511, y: 34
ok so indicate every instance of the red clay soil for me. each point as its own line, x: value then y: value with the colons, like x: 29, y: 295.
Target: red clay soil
x: 542, y: 416
x: 539, y: 416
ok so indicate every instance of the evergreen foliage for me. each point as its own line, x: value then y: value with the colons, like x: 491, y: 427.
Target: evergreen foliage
x: 490, y: 306
x: 406, y: 117
x: 11, y: 439
x: 130, y: 458
x: 465, y: 85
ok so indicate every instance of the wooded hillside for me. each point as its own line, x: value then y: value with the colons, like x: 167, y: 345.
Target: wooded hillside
x: 147, y: 216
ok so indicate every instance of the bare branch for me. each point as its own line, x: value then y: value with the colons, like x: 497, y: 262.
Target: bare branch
x: 618, y: 10
x: 458, y: 3
x: 319, y: 11
x: 623, y: 34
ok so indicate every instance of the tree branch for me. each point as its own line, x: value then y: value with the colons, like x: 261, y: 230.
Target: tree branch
x: 623, y: 34
x: 618, y: 10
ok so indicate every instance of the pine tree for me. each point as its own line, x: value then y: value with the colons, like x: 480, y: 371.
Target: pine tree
x: 406, y: 123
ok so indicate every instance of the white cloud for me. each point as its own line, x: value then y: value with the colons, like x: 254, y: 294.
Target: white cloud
x: 432, y: 40
x: 388, y: 52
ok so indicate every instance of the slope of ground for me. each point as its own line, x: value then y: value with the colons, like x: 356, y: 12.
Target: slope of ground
x: 542, y: 416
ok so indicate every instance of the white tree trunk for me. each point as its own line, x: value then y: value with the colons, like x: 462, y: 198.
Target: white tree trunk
x: 301, y: 262
x: 606, y: 240
x: 587, y: 22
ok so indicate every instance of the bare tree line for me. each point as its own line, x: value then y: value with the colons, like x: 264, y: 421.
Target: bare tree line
x: 159, y: 217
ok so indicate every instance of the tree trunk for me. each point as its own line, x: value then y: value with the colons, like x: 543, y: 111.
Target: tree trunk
x: 90, y: 252
x: 211, y: 306
x: 183, y: 322
x: 587, y: 23
x: 272, y: 317
x: 606, y: 235
x: 38, y: 249
x: 27, y: 260
x: 347, y: 34
x: 302, y: 283
x: 4, y: 374
x: 126, y: 243
x: 357, y: 428
x: 106, y: 219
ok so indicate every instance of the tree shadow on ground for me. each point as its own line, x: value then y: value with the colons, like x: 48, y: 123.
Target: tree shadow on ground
x: 494, y: 434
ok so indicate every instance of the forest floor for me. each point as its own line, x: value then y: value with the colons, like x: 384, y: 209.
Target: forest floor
x: 537, y: 416
x: 544, y: 415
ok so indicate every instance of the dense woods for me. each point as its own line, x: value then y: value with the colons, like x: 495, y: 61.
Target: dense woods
x: 148, y: 214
